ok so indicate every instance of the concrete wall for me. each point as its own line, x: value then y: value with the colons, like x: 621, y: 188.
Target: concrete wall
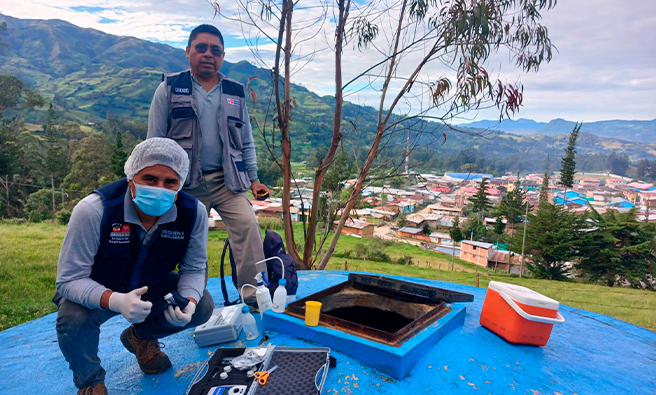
x: 474, y: 254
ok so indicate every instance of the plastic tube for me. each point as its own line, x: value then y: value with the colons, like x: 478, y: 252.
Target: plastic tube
x: 242, y: 290
x: 282, y: 264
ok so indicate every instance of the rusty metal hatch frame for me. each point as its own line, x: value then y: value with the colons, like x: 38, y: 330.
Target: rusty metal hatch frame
x: 387, y: 287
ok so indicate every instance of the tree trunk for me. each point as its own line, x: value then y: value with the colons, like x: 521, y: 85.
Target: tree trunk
x: 284, y: 116
x: 8, y: 207
x: 52, y: 184
x: 313, y: 218
x: 453, y: 256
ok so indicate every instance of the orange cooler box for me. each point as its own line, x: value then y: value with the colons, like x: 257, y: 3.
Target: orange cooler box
x: 518, y: 314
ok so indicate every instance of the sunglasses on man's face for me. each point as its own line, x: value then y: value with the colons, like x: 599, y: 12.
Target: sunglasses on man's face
x: 214, y: 49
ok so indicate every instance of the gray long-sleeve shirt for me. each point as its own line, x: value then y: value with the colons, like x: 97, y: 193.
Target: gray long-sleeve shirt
x: 208, y: 103
x: 83, y: 239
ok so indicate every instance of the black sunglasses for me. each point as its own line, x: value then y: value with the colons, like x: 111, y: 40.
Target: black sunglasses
x: 215, y: 49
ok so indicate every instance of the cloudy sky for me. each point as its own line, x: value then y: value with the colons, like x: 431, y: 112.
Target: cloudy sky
x: 605, y: 67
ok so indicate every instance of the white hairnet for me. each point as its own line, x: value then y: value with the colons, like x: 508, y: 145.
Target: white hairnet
x: 158, y: 151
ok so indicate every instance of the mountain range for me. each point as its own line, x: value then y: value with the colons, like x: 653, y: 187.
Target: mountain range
x: 638, y: 131
x: 89, y: 75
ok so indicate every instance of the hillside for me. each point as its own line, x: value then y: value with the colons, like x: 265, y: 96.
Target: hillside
x: 89, y: 75
x: 636, y: 131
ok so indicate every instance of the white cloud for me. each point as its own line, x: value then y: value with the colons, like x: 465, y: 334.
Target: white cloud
x: 604, y: 69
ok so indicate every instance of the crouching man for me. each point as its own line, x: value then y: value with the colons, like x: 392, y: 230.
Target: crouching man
x: 119, y: 256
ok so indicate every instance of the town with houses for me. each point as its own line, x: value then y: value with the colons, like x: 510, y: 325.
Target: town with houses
x: 438, y: 200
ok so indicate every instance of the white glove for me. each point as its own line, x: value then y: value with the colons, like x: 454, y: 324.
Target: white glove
x: 177, y: 317
x: 130, y: 305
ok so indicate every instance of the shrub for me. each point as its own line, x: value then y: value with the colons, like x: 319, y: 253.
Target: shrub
x: 63, y: 216
x: 361, y: 251
x: 13, y: 221
x: 39, y: 205
x: 373, y: 252
x: 404, y: 260
x: 379, y: 255
x: 270, y: 223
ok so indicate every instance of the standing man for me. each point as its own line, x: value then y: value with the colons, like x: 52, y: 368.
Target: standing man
x: 206, y: 113
x: 119, y: 256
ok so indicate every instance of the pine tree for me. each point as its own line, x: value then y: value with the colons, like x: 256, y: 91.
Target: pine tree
x: 512, y: 205
x: 544, y: 189
x: 119, y: 156
x: 619, y: 249
x: 568, y: 162
x: 499, y: 227
x: 554, y: 237
x: 481, y: 200
x: 426, y: 230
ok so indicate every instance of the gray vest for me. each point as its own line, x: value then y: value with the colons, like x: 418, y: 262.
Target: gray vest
x: 184, y: 128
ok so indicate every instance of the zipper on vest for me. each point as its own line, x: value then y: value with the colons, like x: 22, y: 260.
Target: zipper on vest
x: 143, y: 253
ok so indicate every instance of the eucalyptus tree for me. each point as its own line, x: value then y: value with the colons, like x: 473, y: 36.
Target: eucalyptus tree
x: 398, y: 47
x: 55, y: 159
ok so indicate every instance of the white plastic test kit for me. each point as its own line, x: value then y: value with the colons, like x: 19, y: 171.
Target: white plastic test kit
x: 224, y: 326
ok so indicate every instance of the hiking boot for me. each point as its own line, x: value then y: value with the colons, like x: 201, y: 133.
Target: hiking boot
x: 98, y: 389
x: 149, y: 355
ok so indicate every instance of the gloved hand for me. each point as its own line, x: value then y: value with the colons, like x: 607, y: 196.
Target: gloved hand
x: 177, y: 317
x: 130, y: 305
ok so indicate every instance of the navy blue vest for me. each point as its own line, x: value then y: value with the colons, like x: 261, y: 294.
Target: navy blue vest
x: 122, y: 263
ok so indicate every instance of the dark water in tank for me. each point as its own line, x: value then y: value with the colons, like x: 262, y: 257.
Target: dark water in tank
x: 387, y: 321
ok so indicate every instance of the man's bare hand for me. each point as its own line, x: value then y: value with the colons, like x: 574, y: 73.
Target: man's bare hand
x: 258, y: 189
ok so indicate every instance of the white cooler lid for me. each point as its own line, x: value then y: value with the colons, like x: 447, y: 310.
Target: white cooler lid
x: 524, y: 295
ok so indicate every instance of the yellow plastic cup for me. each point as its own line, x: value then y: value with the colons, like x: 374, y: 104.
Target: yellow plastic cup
x: 312, y: 312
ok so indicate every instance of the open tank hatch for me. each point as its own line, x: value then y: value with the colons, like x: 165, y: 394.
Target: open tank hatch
x: 379, y: 308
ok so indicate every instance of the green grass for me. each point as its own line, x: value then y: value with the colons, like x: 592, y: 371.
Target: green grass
x: 28, y: 266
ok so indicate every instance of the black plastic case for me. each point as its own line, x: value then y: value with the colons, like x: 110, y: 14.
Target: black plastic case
x: 215, y: 365
x: 300, y: 371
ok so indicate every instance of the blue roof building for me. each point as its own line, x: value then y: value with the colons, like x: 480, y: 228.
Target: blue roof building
x: 467, y: 176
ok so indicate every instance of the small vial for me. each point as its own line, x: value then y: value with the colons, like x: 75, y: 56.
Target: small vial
x: 250, y: 373
x: 227, y: 369
x: 223, y: 375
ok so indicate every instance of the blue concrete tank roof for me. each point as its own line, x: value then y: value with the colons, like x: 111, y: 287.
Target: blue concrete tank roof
x: 589, y: 354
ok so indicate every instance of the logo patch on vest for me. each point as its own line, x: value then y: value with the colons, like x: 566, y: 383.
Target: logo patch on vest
x: 120, y: 234
x: 172, y: 234
x: 181, y: 90
x: 234, y: 102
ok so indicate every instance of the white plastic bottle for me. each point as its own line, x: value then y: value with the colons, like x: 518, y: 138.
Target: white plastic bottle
x: 249, y: 324
x: 262, y: 295
x: 280, y: 297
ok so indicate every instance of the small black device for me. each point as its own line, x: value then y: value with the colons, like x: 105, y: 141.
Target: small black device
x: 175, y: 299
x: 262, y: 194
x: 228, y: 390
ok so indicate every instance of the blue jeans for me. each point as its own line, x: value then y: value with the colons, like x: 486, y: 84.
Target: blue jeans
x: 78, y: 329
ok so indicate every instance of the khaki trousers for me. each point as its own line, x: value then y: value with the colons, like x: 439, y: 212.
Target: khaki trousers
x: 244, y: 233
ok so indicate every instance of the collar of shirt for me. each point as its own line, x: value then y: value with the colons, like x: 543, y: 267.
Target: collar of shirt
x: 195, y: 81
x: 130, y: 214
